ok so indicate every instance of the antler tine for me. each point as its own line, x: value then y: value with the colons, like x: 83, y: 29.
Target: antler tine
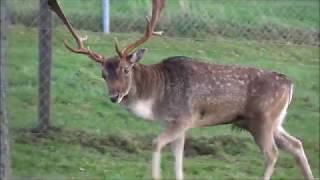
x: 116, y: 45
x: 53, y: 4
x: 157, y: 7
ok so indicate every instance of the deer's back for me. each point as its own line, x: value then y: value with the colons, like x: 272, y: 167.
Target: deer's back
x: 192, y: 86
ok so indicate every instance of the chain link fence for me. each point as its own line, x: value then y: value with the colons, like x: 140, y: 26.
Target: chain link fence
x: 286, y: 22
x: 4, y: 127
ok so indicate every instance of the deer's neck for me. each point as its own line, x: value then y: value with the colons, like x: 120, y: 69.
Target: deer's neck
x: 147, y: 87
x: 148, y: 83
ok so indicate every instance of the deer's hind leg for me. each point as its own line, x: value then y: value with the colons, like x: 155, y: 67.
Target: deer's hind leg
x: 263, y: 136
x: 289, y: 143
x: 264, y: 112
x: 292, y: 145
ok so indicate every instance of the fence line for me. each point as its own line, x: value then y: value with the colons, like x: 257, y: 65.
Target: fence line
x: 4, y: 131
x: 294, y: 22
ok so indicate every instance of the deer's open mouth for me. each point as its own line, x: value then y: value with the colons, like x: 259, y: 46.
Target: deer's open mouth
x: 120, y: 98
x: 116, y: 98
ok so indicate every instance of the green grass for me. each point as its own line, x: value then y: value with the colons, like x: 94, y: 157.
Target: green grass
x: 90, y: 125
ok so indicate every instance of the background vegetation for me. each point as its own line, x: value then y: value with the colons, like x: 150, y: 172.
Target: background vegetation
x: 97, y: 139
x: 292, y: 21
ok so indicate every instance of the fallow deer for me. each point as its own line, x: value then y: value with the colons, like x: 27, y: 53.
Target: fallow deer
x: 185, y: 93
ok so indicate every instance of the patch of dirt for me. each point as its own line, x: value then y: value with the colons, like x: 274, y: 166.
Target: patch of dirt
x: 194, y: 146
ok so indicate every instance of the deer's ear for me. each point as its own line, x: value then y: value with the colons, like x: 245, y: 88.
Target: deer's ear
x: 137, y: 55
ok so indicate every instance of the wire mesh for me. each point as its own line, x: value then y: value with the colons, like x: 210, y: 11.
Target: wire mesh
x: 288, y: 22
x: 5, y: 161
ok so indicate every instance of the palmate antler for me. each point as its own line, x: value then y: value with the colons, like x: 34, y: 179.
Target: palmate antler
x: 53, y: 4
x: 157, y: 7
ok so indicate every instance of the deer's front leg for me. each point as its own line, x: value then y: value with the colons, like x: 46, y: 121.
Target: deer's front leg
x: 177, y: 147
x: 170, y: 134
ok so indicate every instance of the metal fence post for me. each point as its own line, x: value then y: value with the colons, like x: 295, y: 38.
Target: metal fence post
x: 4, y: 130
x: 45, y: 57
x: 106, y: 16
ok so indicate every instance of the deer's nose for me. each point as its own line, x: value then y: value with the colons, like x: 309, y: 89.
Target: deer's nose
x: 114, y: 97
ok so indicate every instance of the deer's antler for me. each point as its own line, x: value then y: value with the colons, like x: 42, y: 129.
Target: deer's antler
x: 157, y: 7
x: 53, y: 4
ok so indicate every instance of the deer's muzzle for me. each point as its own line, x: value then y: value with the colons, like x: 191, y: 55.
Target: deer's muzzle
x: 115, y: 97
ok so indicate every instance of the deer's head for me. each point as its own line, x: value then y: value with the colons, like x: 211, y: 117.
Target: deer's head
x: 117, y: 70
x: 118, y: 73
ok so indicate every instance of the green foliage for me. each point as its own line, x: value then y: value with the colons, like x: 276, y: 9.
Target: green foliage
x: 102, y: 140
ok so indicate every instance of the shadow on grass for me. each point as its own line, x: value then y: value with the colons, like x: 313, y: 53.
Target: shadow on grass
x: 130, y: 143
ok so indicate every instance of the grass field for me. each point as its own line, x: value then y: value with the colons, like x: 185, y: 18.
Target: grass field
x: 98, y: 139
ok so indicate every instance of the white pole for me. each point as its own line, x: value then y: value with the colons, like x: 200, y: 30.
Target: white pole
x: 106, y: 16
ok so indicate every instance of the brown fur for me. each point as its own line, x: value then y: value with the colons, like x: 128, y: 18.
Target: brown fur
x: 187, y: 93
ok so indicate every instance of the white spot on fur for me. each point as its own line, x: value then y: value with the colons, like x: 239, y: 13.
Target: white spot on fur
x: 254, y: 90
x: 142, y: 108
